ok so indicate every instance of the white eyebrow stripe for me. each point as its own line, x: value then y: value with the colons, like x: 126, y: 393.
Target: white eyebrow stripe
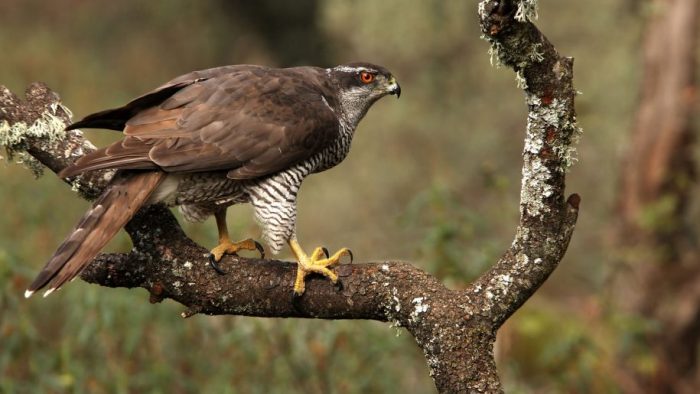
x: 353, y: 69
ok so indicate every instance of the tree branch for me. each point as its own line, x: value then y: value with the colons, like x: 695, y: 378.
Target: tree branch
x: 455, y: 329
x: 546, y: 221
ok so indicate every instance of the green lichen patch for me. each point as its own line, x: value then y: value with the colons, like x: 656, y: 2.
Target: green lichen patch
x: 553, y: 117
x: 527, y: 11
x: 549, y: 150
x: 517, y: 52
x: 13, y: 137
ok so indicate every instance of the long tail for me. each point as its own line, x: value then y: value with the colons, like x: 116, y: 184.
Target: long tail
x: 112, y: 210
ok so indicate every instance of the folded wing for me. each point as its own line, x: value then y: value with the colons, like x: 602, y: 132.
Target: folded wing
x: 250, y: 120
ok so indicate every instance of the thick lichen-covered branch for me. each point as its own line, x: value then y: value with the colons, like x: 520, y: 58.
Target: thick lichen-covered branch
x: 32, y: 131
x: 547, y: 219
x: 455, y: 329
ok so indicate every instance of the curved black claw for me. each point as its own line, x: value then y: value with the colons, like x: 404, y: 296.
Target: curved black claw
x: 215, y: 264
x: 260, y: 249
x: 339, y: 285
x: 325, y: 251
x: 352, y: 257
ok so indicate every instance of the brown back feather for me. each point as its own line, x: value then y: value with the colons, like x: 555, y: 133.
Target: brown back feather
x: 250, y: 120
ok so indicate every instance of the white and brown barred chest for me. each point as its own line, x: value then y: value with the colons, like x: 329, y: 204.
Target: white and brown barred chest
x: 200, y: 195
x: 274, y: 197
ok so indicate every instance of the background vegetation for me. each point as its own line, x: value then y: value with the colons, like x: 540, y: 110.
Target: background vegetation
x: 432, y: 178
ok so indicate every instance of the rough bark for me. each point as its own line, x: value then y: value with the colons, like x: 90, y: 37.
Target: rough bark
x: 455, y: 329
x: 663, y: 281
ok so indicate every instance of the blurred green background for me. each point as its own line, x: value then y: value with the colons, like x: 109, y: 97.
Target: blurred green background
x: 432, y: 178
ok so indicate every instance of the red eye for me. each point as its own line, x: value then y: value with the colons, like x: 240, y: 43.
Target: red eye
x: 366, y: 77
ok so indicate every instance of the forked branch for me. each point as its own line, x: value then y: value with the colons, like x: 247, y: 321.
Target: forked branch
x: 455, y: 329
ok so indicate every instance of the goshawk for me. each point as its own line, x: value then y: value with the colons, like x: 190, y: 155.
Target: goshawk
x: 217, y: 137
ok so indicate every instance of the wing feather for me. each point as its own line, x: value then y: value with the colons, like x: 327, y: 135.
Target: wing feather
x: 252, y: 121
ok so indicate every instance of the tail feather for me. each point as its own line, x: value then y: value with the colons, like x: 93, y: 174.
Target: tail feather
x: 100, y: 160
x: 112, y: 210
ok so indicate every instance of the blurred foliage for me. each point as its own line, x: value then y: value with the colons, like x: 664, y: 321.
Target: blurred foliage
x: 452, y: 246
x: 432, y: 178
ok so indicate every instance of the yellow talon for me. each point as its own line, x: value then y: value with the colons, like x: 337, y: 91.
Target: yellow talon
x: 226, y: 246
x: 317, y: 262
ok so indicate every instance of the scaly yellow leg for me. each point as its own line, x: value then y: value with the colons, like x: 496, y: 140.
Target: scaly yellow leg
x: 315, y: 263
x: 226, y: 246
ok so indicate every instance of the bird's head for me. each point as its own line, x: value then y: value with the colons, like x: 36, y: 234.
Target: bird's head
x: 360, y: 85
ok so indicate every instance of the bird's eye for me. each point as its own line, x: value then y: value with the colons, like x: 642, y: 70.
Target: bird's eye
x: 366, y: 77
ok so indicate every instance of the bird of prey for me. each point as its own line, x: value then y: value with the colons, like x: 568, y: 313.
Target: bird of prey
x: 217, y: 137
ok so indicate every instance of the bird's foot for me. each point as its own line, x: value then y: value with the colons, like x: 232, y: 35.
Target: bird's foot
x: 318, y: 262
x: 227, y: 247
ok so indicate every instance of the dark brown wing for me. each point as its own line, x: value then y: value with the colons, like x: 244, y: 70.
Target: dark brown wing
x: 252, y: 121
x: 115, y: 119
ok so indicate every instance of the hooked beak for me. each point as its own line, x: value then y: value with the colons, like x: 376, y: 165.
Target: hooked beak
x: 394, y: 87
